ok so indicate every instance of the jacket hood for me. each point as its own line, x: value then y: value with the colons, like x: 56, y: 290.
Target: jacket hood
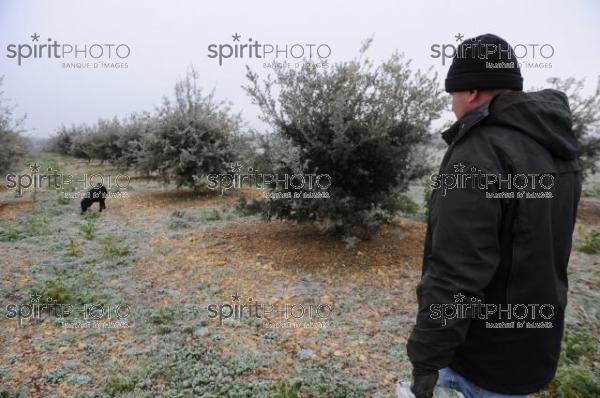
x: 544, y: 115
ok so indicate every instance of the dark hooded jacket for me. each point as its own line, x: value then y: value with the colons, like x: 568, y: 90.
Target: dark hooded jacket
x: 493, y: 290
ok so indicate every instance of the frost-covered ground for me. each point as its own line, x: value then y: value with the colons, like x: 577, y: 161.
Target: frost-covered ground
x: 168, y: 255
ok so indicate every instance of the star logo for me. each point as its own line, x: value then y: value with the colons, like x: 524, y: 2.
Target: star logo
x: 35, y: 297
x: 459, y: 167
x: 236, y: 37
x: 235, y: 297
x: 35, y: 37
x: 459, y: 37
x: 236, y: 167
x: 34, y: 167
x: 459, y: 298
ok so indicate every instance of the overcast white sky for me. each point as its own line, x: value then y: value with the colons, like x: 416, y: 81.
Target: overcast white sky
x: 167, y: 36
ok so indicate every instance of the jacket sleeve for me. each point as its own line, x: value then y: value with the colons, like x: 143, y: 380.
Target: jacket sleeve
x: 462, y: 258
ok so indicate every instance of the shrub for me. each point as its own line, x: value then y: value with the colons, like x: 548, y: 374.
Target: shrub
x: 62, y: 142
x: 362, y: 126
x: 54, y: 377
x: 56, y: 291
x: 91, y: 215
x: 116, y: 385
x: 286, y: 390
x: 577, y: 382
x: 213, y: 215
x: 591, y: 245
x: 101, y: 141
x: 10, y: 234
x: 14, y: 145
x: 585, y: 112
x: 33, y: 224
x: 252, y: 207
x: 6, y: 393
x: 162, y: 317
x: 408, y: 206
x: 577, y: 345
x: 178, y: 213
x: 77, y: 141
x: 426, y: 199
x: 29, y: 225
x: 133, y: 133
x: 327, y: 379
x: 200, y: 371
x: 111, y: 247
x: 73, y: 249
x: 89, y: 230
x: 178, y: 220
x: 63, y: 200
x: 575, y: 377
x: 191, y: 137
x: 592, y: 192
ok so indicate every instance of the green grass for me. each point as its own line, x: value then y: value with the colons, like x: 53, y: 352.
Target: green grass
x: 578, y: 373
x: 89, y: 230
x: 111, y: 247
x: 178, y: 220
x: 162, y: 317
x: 33, y: 225
x: 591, y: 192
x: 426, y: 200
x: 54, y: 377
x: 213, y: 214
x: 408, y: 206
x: 10, y: 234
x: 288, y: 390
x: 73, y: 249
x: 183, y: 219
x: 178, y: 213
x: 63, y: 288
x: 7, y: 393
x: 55, y: 290
x: 62, y: 200
x: 116, y: 385
x: 578, y: 345
x: 91, y: 215
x: 591, y: 245
x: 577, y: 382
x: 29, y: 225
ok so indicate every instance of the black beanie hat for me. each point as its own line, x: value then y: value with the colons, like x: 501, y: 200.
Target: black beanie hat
x: 485, y: 62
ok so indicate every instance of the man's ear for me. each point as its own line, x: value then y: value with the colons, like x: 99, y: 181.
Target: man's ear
x: 473, y: 96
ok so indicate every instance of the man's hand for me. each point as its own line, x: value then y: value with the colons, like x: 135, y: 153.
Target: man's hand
x: 423, y: 385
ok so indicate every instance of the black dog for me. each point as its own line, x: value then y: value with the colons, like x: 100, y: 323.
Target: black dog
x: 96, y: 194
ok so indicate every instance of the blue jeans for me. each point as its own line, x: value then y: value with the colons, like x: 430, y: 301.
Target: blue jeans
x: 451, y: 379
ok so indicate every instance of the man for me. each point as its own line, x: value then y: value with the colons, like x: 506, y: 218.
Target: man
x: 494, y: 284
x: 96, y: 194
